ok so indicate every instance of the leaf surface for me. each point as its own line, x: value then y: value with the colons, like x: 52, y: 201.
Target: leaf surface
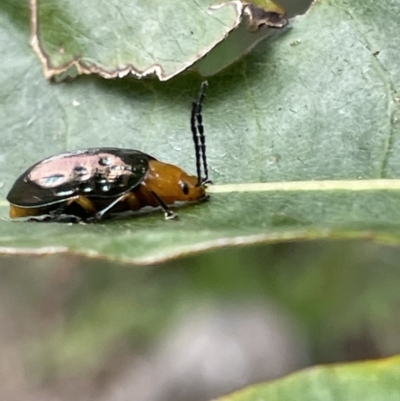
x: 316, y: 105
x: 115, y: 38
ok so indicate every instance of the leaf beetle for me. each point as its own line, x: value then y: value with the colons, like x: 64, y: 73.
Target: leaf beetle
x: 85, y: 185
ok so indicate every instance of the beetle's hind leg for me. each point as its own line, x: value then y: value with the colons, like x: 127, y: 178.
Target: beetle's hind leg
x: 58, y: 215
x: 56, y: 218
x: 74, y: 210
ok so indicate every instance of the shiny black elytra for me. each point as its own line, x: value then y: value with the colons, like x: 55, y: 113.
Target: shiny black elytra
x: 85, y: 185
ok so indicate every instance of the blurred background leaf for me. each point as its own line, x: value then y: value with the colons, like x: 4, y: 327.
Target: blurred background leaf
x: 317, y: 102
x: 368, y: 381
x: 195, y: 328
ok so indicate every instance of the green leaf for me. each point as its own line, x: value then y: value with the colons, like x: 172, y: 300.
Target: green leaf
x: 114, y: 38
x: 310, y: 119
x: 368, y: 381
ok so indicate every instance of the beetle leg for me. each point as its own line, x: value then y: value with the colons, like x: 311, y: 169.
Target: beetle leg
x: 57, y: 216
x: 168, y: 213
x: 63, y: 218
x: 99, y: 215
x: 85, y: 203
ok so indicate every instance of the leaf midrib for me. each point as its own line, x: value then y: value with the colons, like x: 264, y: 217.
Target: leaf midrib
x: 317, y: 185
x: 294, y: 186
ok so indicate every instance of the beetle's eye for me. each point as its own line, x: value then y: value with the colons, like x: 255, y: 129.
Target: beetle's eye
x: 185, y: 188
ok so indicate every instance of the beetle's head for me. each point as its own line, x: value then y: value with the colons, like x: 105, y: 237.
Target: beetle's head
x: 172, y: 184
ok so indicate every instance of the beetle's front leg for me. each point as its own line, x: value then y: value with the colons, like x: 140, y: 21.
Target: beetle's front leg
x: 168, y: 213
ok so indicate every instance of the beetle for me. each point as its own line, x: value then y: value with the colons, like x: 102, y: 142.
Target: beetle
x: 86, y: 185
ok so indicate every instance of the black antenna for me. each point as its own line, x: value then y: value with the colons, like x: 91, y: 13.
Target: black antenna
x: 198, y: 133
x: 195, y: 140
